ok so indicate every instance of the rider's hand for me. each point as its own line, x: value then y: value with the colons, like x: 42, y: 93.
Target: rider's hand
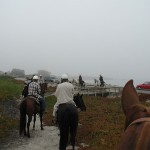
x: 54, y: 120
x: 79, y: 110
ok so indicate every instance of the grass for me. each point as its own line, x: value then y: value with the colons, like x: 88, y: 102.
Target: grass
x: 102, y: 123
x: 9, y: 87
x: 7, y: 125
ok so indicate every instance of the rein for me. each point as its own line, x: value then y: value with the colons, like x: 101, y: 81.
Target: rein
x: 140, y: 120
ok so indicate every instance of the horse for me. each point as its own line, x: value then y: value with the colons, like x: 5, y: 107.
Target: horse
x: 82, y: 83
x: 30, y: 107
x: 75, y: 81
x: 137, y: 123
x: 68, y: 121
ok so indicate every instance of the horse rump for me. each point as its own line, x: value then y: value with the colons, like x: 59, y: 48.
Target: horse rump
x: 68, y: 123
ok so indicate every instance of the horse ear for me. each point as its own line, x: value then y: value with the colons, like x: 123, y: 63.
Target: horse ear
x: 129, y: 96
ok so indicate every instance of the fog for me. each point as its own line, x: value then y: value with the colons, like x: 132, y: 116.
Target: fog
x: 87, y: 37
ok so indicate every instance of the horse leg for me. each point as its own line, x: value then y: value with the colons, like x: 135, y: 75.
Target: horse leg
x: 64, y: 133
x: 41, y: 115
x: 63, y: 123
x: 73, y: 130
x: 28, y: 125
x: 25, y: 132
x: 34, y: 121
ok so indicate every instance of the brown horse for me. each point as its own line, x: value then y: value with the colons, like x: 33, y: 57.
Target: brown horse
x: 30, y: 107
x: 137, y: 124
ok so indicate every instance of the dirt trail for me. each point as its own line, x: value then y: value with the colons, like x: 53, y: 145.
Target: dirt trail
x: 47, y: 139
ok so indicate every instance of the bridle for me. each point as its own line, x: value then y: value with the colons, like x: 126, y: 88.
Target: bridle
x: 140, y: 120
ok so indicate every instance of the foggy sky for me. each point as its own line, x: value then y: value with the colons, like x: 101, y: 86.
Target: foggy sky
x: 88, y: 37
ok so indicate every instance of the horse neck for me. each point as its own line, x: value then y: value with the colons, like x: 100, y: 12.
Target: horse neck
x: 79, y: 102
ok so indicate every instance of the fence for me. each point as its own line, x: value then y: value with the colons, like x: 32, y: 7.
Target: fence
x: 102, y: 91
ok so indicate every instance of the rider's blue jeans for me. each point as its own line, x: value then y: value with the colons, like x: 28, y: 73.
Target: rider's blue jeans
x: 42, y: 103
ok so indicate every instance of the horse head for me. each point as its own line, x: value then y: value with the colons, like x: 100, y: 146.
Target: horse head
x: 131, y: 106
x: 137, y: 123
x: 78, y: 99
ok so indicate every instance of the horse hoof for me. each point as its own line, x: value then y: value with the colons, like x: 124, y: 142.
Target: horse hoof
x: 42, y: 128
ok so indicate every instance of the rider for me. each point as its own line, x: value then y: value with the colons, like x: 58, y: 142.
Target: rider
x: 34, y: 90
x: 80, y: 80
x: 101, y: 81
x: 41, y: 81
x: 64, y: 93
x: 26, y: 85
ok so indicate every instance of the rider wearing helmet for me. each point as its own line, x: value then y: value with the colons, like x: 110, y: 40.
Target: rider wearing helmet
x: 34, y: 88
x: 64, y: 93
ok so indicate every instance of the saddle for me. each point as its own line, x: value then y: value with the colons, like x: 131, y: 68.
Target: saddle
x: 36, y: 99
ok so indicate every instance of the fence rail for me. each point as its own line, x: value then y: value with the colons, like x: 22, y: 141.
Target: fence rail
x: 96, y: 90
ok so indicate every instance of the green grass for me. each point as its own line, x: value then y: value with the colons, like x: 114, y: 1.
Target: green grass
x: 50, y: 101
x: 9, y: 88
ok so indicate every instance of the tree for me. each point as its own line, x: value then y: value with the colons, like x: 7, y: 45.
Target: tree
x: 44, y: 73
x: 17, y: 72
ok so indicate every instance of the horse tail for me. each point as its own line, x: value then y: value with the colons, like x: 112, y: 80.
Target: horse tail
x: 22, y: 117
